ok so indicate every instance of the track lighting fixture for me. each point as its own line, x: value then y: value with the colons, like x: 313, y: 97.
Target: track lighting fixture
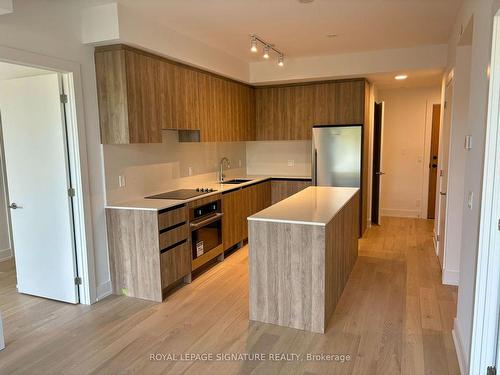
x: 267, y: 49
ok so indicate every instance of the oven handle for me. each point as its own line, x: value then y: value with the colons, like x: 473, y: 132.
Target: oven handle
x: 202, y: 223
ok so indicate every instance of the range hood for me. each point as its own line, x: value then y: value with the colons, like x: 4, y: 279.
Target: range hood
x: 189, y: 135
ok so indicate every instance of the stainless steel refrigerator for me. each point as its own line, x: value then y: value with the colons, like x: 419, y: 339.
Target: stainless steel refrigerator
x: 336, y: 155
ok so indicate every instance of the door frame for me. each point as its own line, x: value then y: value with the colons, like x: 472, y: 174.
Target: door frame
x: 77, y: 147
x: 487, y: 289
x: 380, y: 162
x: 428, y: 154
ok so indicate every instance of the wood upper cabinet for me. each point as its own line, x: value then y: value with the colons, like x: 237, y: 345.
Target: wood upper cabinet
x: 289, y: 112
x: 127, y: 89
x: 140, y: 94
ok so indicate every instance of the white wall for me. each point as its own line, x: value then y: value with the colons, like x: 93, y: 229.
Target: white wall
x: 456, y: 167
x: 116, y: 23
x: 369, y: 133
x: 155, y: 168
x: 272, y: 157
x: 405, y: 152
x: 482, y: 13
x: 53, y: 29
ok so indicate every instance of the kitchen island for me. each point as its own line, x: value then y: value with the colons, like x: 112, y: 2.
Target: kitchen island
x: 301, y: 252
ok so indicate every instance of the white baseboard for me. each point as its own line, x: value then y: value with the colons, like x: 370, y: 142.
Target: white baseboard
x: 459, y: 348
x: 2, y: 339
x: 5, y: 254
x: 450, y: 277
x: 104, y: 289
x: 395, y: 212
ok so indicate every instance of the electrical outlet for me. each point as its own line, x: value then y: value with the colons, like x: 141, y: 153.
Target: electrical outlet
x: 190, y: 171
x: 470, y: 197
x: 121, y: 181
x: 291, y: 163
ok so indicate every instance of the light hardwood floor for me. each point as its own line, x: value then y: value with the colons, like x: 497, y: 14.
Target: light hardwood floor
x: 394, y: 317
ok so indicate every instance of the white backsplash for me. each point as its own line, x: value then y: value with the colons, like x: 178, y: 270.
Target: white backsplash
x: 155, y: 168
x: 274, y: 158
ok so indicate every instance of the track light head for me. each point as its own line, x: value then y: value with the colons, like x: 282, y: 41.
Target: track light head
x: 266, y: 52
x: 281, y: 60
x: 253, y: 45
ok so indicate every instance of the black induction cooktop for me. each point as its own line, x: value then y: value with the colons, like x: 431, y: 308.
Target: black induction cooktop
x: 181, y: 194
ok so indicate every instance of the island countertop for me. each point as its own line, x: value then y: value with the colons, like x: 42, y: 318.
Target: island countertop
x: 316, y: 205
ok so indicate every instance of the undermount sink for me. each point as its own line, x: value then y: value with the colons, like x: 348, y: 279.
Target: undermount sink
x: 237, y: 181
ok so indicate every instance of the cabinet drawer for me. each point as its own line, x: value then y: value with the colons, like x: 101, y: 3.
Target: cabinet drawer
x: 175, y: 263
x: 172, y: 236
x: 172, y: 217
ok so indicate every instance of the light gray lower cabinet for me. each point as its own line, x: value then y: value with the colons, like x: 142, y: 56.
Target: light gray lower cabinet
x: 148, y: 250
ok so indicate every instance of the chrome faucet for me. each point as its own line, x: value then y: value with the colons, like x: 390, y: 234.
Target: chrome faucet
x: 221, y: 170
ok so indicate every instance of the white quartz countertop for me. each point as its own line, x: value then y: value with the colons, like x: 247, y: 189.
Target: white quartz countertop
x: 316, y: 205
x: 161, y: 204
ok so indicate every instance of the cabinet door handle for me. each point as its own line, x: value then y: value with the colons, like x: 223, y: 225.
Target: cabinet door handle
x: 14, y: 206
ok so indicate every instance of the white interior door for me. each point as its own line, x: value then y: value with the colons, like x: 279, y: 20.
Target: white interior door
x: 443, y: 170
x: 34, y: 139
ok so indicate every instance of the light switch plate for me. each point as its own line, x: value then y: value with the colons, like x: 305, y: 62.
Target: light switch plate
x: 190, y: 171
x: 470, y: 198
x: 121, y: 181
x: 468, y: 142
x: 291, y: 163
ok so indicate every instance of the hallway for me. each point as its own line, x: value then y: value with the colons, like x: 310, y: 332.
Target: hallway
x: 394, y: 317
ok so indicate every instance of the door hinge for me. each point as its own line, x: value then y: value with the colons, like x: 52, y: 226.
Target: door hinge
x: 64, y: 98
x: 71, y: 192
x: 78, y: 280
x: 498, y: 224
x: 445, y: 104
x: 437, y: 238
x: 491, y: 370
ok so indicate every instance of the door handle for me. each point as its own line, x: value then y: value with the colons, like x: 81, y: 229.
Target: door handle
x: 211, y: 219
x: 379, y: 173
x: 14, y: 206
x: 434, y: 165
x: 441, y: 193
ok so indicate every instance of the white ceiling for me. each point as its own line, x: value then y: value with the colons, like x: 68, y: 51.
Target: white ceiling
x: 417, y: 78
x: 11, y: 71
x: 300, y: 29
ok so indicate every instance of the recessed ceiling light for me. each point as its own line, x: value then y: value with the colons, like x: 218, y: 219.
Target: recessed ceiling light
x: 332, y: 35
x: 305, y: 1
x: 401, y: 77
